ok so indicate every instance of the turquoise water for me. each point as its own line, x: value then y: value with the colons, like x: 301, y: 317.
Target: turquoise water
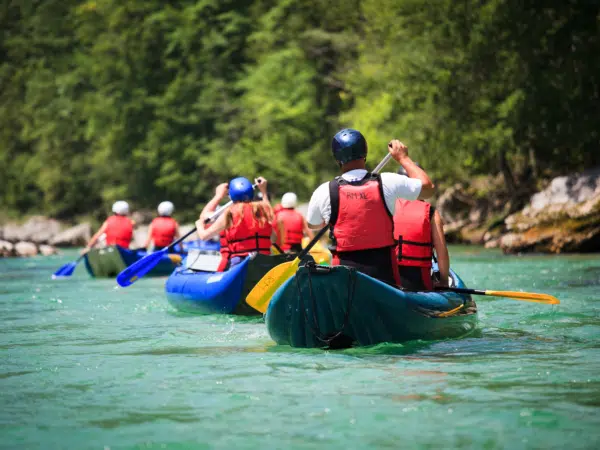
x: 85, y: 365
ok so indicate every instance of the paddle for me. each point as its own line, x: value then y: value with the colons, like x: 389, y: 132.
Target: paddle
x: 261, y: 294
x: 515, y: 295
x: 68, y: 269
x: 140, y: 268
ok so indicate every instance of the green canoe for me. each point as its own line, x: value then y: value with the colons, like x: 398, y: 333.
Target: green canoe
x: 340, y: 307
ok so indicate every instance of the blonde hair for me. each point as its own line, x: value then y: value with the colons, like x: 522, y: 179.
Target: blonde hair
x: 262, y: 213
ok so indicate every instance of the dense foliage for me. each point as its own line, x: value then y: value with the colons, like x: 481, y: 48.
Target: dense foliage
x: 147, y: 100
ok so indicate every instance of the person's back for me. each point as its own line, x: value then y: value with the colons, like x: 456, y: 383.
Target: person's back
x: 248, y: 229
x: 414, y: 252
x: 359, y: 206
x: 293, y: 229
x: 116, y: 230
x: 419, y: 230
x: 361, y: 230
x: 164, y: 230
x: 290, y: 225
x: 247, y: 225
x: 119, y: 231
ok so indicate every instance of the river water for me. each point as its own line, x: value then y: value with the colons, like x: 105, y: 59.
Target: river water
x: 88, y: 366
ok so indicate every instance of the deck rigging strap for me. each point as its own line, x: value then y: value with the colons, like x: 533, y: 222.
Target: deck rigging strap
x: 314, y: 327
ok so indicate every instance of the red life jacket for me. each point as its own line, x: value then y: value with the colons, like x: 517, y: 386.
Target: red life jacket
x: 293, y: 226
x: 163, y: 231
x: 119, y: 231
x: 224, y: 252
x: 360, y: 219
x: 412, y: 229
x: 246, y: 235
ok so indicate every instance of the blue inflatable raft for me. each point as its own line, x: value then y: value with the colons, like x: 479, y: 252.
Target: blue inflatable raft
x: 197, y: 288
x: 339, y: 307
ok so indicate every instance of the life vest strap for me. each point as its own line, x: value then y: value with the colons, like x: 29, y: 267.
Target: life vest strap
x: 413, y: 258
x: 251, y: 238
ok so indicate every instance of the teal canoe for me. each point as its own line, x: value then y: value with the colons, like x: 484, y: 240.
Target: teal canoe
x: 339, y: 307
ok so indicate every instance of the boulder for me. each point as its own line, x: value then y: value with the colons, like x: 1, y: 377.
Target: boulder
x: 23, y: 248
x: 455, y: 204
x: 564, y: 217
x: 76, y: 236
x: 6, y: 249
x: 47, y: 250
x: 38, y: 229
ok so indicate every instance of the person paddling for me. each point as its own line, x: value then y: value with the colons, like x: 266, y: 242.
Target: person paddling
x: 118, y: 228
x: 360, y: 206
x: 163, y: 229
x: 419, y: 229
x: 245, y: 228
x: 290, y: 225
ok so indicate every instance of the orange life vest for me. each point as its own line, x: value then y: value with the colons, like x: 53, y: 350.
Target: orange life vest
x: 163, y: 231
x: 293, y: 226
x: 412, y: 230
x: 246, y: 235
x: 224, y: 252
x: 119, y: 231
x: 360, y: 219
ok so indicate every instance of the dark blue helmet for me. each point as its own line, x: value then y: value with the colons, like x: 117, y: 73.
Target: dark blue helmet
x: 241, y: 190
x: 348, y: 145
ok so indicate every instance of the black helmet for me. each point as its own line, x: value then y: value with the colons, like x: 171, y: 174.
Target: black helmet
x: 348, y: 145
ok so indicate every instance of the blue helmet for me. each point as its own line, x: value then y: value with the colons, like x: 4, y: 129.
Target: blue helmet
x: 241, y: 190
x: 348, y: 145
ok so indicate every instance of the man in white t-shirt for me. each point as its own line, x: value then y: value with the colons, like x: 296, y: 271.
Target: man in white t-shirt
x: 360, y: 206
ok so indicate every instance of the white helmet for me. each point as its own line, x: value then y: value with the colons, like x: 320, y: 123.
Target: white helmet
x: 289, y: 200
x: 165, y: 208
x: 121, y: 208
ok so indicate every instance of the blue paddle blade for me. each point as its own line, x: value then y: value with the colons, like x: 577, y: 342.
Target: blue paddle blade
x: 66, y: 270
x: 139, y: 268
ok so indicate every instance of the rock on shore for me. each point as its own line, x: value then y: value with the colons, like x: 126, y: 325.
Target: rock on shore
x: 564, y: 217
x: 30, y: 238
x: 76, y: 236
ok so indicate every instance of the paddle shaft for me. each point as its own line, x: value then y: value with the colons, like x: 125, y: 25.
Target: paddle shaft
x: 461, y: 290
x: 320, y: 234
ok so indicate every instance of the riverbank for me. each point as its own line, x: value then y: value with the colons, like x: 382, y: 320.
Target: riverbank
x: 39, y: 235
x: 563, y: 217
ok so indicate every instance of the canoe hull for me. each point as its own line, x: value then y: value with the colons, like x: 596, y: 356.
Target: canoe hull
x: 202, y: 292
x: 318, y: 303
x: 110, y: 261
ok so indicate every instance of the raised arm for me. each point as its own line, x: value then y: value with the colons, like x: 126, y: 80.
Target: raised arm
x: 399, y: 152
x: 213, y: 230
x: 221, y: 192
x: 261, y: 183
x: 95, y: 237
x: 441, y: 249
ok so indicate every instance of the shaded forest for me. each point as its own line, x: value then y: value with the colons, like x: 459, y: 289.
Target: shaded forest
x: 148, y: 100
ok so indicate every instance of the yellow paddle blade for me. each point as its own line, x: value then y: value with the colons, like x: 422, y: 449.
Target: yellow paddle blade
x: 527, y: 296
x: 175, y: 258
x: 260, y: 296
